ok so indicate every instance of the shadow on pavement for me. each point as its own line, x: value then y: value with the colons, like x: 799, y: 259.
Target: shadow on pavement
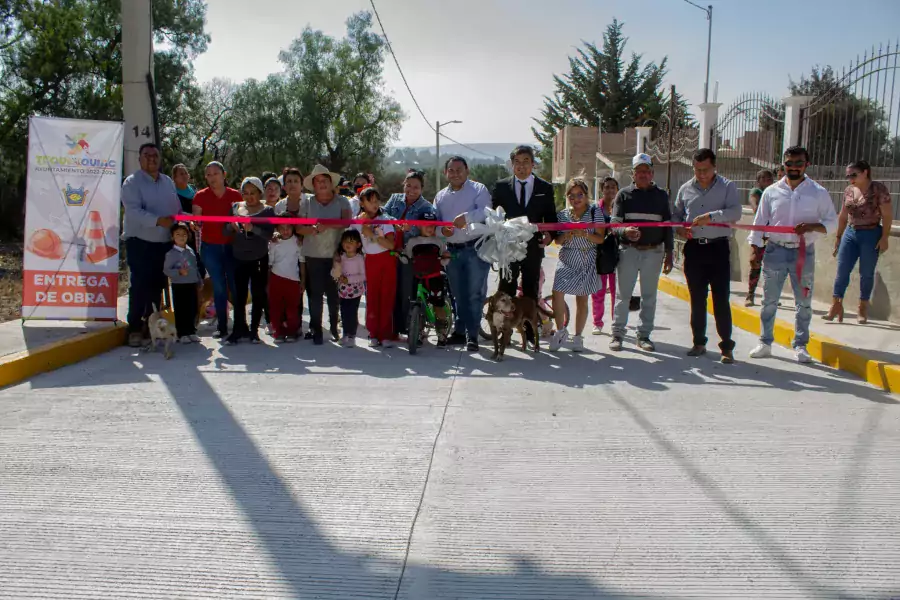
x: 655, y: 372
x: 740, y: 517
x: 311, y: 565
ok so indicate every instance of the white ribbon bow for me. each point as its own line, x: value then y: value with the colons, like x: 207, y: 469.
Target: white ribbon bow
x: 502, y: 242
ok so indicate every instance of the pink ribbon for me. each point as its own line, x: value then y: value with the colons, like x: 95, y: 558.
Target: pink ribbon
x: 801, y: 257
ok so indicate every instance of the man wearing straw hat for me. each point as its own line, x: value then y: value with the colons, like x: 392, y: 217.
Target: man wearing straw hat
x: 320, y: 242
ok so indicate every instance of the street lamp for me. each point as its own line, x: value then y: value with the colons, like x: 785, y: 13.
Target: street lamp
x: 437, y: 158
x: 708, y: 11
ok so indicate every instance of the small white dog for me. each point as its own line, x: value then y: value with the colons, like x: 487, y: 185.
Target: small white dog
x: 160, y: 330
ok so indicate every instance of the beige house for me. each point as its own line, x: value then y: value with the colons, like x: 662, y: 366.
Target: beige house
x: 580, y: 151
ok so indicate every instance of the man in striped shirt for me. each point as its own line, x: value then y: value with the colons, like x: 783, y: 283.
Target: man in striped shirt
x: 643, y: 250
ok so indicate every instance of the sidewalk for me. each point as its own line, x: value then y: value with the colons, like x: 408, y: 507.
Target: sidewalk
x: 31, y: 347
x: 871, y: 351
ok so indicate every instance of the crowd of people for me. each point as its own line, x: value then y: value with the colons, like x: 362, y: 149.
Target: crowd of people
x: 273, y: 266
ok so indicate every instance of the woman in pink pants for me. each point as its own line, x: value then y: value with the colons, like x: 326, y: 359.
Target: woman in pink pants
x: 607, y: 282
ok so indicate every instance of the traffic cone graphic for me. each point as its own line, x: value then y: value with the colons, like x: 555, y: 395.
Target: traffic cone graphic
x: 96, y: 248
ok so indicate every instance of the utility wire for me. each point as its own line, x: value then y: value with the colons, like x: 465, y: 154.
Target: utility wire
x: 408, y: 89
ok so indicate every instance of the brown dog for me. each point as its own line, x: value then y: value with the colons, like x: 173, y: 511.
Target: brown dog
x: 506, y: 313
x: 204, y: 299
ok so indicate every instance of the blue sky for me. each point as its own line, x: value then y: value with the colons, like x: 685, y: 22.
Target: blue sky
x: 489, y: 63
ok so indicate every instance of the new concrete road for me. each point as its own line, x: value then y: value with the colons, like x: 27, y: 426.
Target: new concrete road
x: 302, y: 472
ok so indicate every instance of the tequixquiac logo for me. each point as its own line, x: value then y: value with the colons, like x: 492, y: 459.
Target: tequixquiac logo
x: 76, y: 158
x: 75, y: 196
x: 77, y: 143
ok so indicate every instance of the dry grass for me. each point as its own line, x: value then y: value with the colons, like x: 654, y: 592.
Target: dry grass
x: 11, y: 281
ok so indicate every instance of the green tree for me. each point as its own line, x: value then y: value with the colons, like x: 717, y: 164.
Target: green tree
x: 604, y: 85
x: 328, y: 106
x: 63, y: 58
x: 347, y: 113
x: 488, y: 174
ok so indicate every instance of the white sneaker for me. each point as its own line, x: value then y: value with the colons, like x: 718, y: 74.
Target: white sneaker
x: 185, y: 340
x: 761, y: 351
x: 345, y: 342
x: 577, y: 343
x: 194, y: 338
x: 596, y: 331
x: 373, y: 343
x: 387, y: 344
x: 802, y: 355
x: 558, y: 339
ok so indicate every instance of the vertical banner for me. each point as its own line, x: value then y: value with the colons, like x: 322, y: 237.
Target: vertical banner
x: 72, y: 219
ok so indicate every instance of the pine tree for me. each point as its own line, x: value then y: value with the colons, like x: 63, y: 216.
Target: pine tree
x: 607, y: 85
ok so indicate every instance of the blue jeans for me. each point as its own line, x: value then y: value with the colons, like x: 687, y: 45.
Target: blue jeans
x: 219, y: 262
x: 779, y: 263
x: 468, y: 282
x: 861, y: 245
x: 633, y: 262
x: 146, y: 279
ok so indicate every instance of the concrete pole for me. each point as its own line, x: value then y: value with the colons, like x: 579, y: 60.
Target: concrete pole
x: 708, y: 53
x: 137, y: 62
x: 709, y: 116
x: 437, y: 157
x: 597, y: 159
x: 793, y: 121
x: 643, y: 138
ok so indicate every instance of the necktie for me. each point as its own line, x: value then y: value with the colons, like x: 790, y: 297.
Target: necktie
x: 522, y: 196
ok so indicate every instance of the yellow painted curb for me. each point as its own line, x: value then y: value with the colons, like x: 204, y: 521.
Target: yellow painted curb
x: 825, y: 350
x: 18, y: 367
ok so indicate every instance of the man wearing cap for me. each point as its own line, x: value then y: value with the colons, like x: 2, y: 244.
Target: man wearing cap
x: 149, y: 198
x: 708, y: 198
x: 320, y: 242
x: 643, y: 250
x: 463, y: 202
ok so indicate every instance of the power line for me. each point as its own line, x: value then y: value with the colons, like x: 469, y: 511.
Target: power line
x: 397, y: 62
x: 447, y: 137
x: 408, y: 89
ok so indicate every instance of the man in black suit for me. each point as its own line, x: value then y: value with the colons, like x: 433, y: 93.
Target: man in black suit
x: 523, y: 194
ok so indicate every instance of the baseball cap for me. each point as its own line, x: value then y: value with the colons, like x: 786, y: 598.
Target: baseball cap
x: 428, y: 217
x: 641, y: 159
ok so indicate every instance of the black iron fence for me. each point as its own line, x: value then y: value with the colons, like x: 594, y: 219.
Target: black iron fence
x: 749, y: 137
x: 854, y: 115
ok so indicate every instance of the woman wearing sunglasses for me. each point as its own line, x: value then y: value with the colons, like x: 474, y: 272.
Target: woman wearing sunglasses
x: 867, y: 211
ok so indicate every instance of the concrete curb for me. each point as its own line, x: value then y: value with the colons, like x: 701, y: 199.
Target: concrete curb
x: 18, y: 367
x: 825, y: 350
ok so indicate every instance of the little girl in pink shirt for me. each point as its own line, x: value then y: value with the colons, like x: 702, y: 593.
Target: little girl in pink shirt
x: 350, y: 272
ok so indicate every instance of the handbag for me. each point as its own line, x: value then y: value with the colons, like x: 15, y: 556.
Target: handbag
x: 607, y: 253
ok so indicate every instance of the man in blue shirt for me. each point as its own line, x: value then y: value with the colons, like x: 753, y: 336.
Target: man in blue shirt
x: 463, y: 202
x: 708, y: 198
x: 149, y: 198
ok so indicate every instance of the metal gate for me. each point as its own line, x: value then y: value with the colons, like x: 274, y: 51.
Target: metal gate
x: 749, y: 137
x: 854, y: 115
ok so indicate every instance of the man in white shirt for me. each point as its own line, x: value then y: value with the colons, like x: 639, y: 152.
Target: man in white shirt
x: 799, y: 202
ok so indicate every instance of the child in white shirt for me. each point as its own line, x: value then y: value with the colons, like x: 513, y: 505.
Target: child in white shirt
x: 284, y: 284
